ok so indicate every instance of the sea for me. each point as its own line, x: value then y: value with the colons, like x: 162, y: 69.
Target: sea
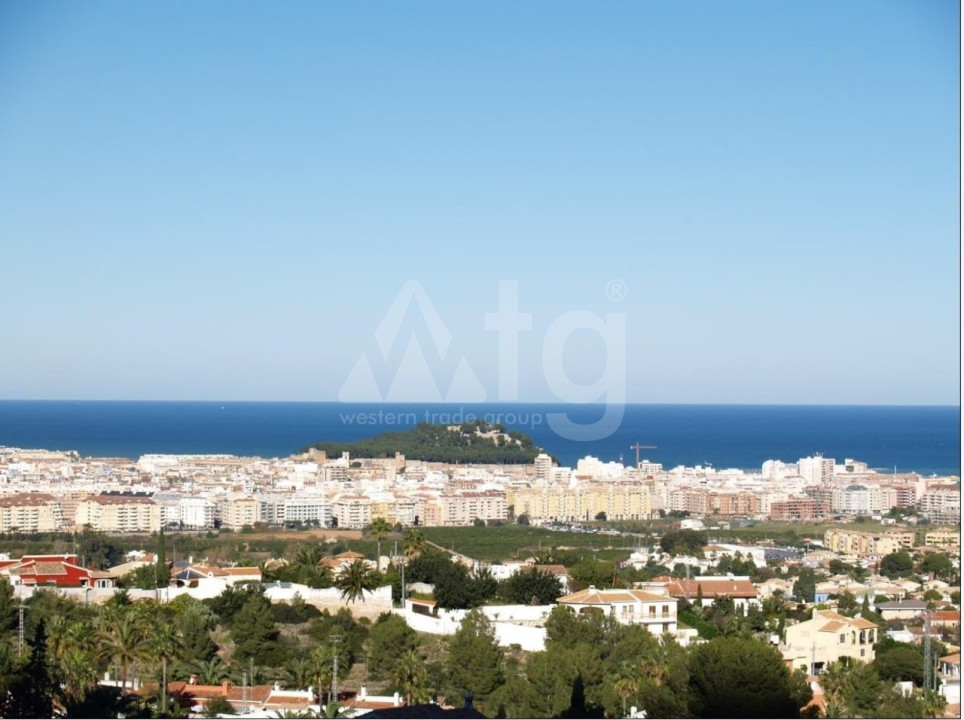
x: 923, y: 439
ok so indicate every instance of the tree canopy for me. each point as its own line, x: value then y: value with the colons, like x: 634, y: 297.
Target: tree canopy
x: 475, y: 442
x: 897, y: 564
x: 683, y: 542
x: 742, y: 678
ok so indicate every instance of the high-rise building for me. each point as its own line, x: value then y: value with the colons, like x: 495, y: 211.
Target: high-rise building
x: 543, y: 465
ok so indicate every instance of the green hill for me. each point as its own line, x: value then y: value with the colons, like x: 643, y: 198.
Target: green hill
x: 476, y: 442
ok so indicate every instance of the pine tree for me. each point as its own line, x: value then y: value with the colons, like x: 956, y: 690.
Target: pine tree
x: 475, y: 658
x: 255, y: 632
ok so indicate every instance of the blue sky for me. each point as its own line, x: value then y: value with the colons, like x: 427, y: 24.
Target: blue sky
x: 221, y: 201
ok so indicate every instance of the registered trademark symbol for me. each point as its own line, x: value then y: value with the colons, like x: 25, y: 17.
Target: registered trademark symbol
x: 616, y: 290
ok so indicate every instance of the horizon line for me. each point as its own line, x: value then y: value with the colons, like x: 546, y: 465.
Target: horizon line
x: 494, y: 403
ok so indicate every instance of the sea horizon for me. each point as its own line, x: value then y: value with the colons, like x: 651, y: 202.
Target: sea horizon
x: 902, y: 438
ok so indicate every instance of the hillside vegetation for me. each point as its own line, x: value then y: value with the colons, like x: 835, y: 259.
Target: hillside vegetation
x: 476, y: 442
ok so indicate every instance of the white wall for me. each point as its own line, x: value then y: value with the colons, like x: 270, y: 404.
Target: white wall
x: 507, y: 620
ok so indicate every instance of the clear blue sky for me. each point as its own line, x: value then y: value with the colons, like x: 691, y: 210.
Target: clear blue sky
x: 221, y: 200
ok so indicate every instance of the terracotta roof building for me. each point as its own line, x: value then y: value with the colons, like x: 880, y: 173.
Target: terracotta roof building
x: 657, y: 613
x: 827, y: 637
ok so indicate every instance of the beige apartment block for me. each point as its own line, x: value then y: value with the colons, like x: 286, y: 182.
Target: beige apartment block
x: 584, y: 502
x: 386, y: 509
x: 119, y: 513
x: 431, y: 515
x: 240, y: 511
x: 944, y: 538
x: 30, y: 513
x: 853, y: 542
x: 734, y: 503
x: 464, y: 508
x: 695, y: 502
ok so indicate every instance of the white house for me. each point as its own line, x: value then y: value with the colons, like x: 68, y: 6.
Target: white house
x: 657, y: 613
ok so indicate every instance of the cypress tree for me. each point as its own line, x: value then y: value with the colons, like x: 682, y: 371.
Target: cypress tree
x: 31, y: 693
x: 163, y: 571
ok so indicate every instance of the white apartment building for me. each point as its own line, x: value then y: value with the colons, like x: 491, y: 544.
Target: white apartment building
x: 168, y: 502
x: 862, y: 499
x: 816, y: 470
x: 308, y: 509
x: 352, y: 511
x: 942, y: 504
x: 649, y: 469
x: 196, y: 513
x: 271, y: 509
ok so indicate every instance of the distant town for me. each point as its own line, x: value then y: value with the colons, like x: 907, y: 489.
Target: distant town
x: 255, y: 619
x: 56, y: 491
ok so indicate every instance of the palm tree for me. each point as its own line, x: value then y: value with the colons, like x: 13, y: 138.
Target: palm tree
x: 165, y: 643
x: 379, y: 529
x: 835, y: 681
x: 322, y: 576
x: 654, y: 665
x: 414, y: 542
x: 321, y: 665
x: 125, y: 640
x: 412, y: 677
x: 309, y: 556
x: 625, y: 683
x: 299, y: 673
x: 833, y: 709
x: 210, y: 672
x: 58, y: 639
x: 256, y: 674
x: 78, y: 668
x: 355, y: 580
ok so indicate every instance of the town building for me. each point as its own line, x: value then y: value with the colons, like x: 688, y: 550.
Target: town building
x: 53, y: 571
x: 708, y: 588
x: 655, y: 612
x: 943, y: 538
x: 827, y: 637
x: 855, y: 542
x: 30, y: 513
x: 120, y: 513
x: 799, y: 508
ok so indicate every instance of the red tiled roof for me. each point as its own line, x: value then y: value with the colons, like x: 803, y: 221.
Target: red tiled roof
x: 25, y: 499
x: 722, y: 587
x: 594, y: 596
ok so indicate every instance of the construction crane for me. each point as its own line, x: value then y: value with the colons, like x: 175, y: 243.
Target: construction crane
x: 637, y: 447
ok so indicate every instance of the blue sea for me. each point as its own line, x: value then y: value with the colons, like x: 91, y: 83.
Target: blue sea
x: 922, y: 439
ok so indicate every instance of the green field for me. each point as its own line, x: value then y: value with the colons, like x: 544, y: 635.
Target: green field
x: 520, y: 541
